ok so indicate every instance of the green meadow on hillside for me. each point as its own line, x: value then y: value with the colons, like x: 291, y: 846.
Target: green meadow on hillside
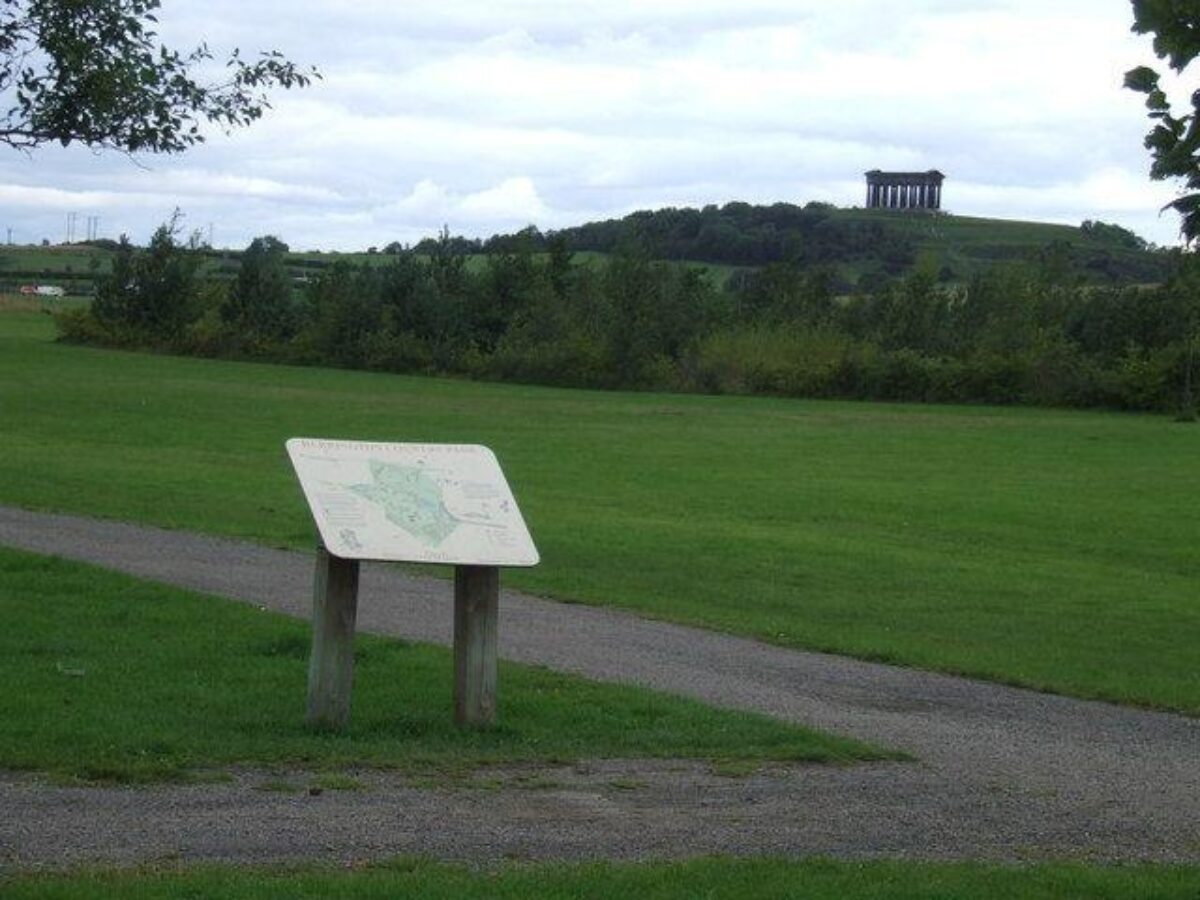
x: 1051, y: 549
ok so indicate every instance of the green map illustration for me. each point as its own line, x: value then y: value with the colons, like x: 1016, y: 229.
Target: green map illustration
x: 411, y: 499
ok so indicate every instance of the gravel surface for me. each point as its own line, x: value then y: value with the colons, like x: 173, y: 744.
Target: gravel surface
x: 1001, y: 773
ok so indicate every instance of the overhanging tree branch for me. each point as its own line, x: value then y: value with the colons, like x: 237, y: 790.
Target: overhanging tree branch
x: 1174, y: 140
x: 94, y: 73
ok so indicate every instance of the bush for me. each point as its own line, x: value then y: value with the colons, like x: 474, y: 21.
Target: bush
x: 79, y: 326
x: 152, y: 292
x: 759, y: 359
x: 1151, y: 379
x: 568, y: 361
x: 397, y: 352
x: 259, y: 305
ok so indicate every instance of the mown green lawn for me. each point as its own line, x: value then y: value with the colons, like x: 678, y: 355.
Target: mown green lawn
x: 713, y: 879
x: 115, y: 679
x: 1054, y: 549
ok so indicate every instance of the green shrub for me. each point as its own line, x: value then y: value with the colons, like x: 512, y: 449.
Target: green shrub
x: 1151, y: 379
x: 760, y: 359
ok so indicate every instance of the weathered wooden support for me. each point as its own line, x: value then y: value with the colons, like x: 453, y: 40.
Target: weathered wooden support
x: 331, y: 665
x: 354, y: 492
x: 476, y: 615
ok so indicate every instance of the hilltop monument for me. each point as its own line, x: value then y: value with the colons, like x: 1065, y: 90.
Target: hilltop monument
x: 904, y: 190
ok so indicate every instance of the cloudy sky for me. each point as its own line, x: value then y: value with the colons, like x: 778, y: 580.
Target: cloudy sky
x: 489, y: 116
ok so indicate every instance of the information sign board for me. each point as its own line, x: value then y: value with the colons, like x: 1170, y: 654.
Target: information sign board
x: 429, y: 503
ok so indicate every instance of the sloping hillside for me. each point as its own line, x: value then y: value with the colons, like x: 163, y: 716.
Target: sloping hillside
x: 864, y: 246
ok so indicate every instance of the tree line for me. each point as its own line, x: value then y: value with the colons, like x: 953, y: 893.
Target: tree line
x: 1019, y: 333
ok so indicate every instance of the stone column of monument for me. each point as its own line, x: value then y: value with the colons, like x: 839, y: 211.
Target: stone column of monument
x: 904, y: 190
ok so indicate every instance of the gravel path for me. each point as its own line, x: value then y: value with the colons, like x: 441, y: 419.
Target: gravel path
x: 1001, y: 773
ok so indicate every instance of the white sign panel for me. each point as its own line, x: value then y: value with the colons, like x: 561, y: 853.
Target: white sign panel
x: 432, y: 503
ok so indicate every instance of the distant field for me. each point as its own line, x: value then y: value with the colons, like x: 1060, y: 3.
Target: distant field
x: 1046, y: 548
x: 73, y: 266
x: 74, y: 258
x: 34, y: 303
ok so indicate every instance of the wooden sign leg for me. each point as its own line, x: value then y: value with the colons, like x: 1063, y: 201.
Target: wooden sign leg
x: 476, y: 608
x: 331, y: 666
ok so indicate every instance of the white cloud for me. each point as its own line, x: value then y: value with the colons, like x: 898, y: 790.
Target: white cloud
x: 200, y: 184
x: 514, y: 199
x: 40, y: 198
x: 491, y: 116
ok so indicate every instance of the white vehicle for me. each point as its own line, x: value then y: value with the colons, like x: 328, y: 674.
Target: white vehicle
x: 49, y: 290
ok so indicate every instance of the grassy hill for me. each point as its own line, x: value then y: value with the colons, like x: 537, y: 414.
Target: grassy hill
x: 862, y: 246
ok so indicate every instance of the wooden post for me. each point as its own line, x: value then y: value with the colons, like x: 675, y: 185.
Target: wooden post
x: 476, y: 608
x: 331, y: 666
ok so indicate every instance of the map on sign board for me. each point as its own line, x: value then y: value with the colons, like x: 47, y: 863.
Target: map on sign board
x: 434, y: 503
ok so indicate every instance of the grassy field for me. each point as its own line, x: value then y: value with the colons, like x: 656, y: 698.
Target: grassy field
x: 1046, y: 548
x: 123, y: 680
x: 74, y: 264
x: 715, y: 879
x: 29, y: 303
x: 75, y: 258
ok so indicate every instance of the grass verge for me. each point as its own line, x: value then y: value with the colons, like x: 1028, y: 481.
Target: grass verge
x: 709, y: 878
x: 116, y: 679
x: 1046, y: 548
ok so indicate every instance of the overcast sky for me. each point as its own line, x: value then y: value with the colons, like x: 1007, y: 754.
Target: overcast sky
x: 490, y: 116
